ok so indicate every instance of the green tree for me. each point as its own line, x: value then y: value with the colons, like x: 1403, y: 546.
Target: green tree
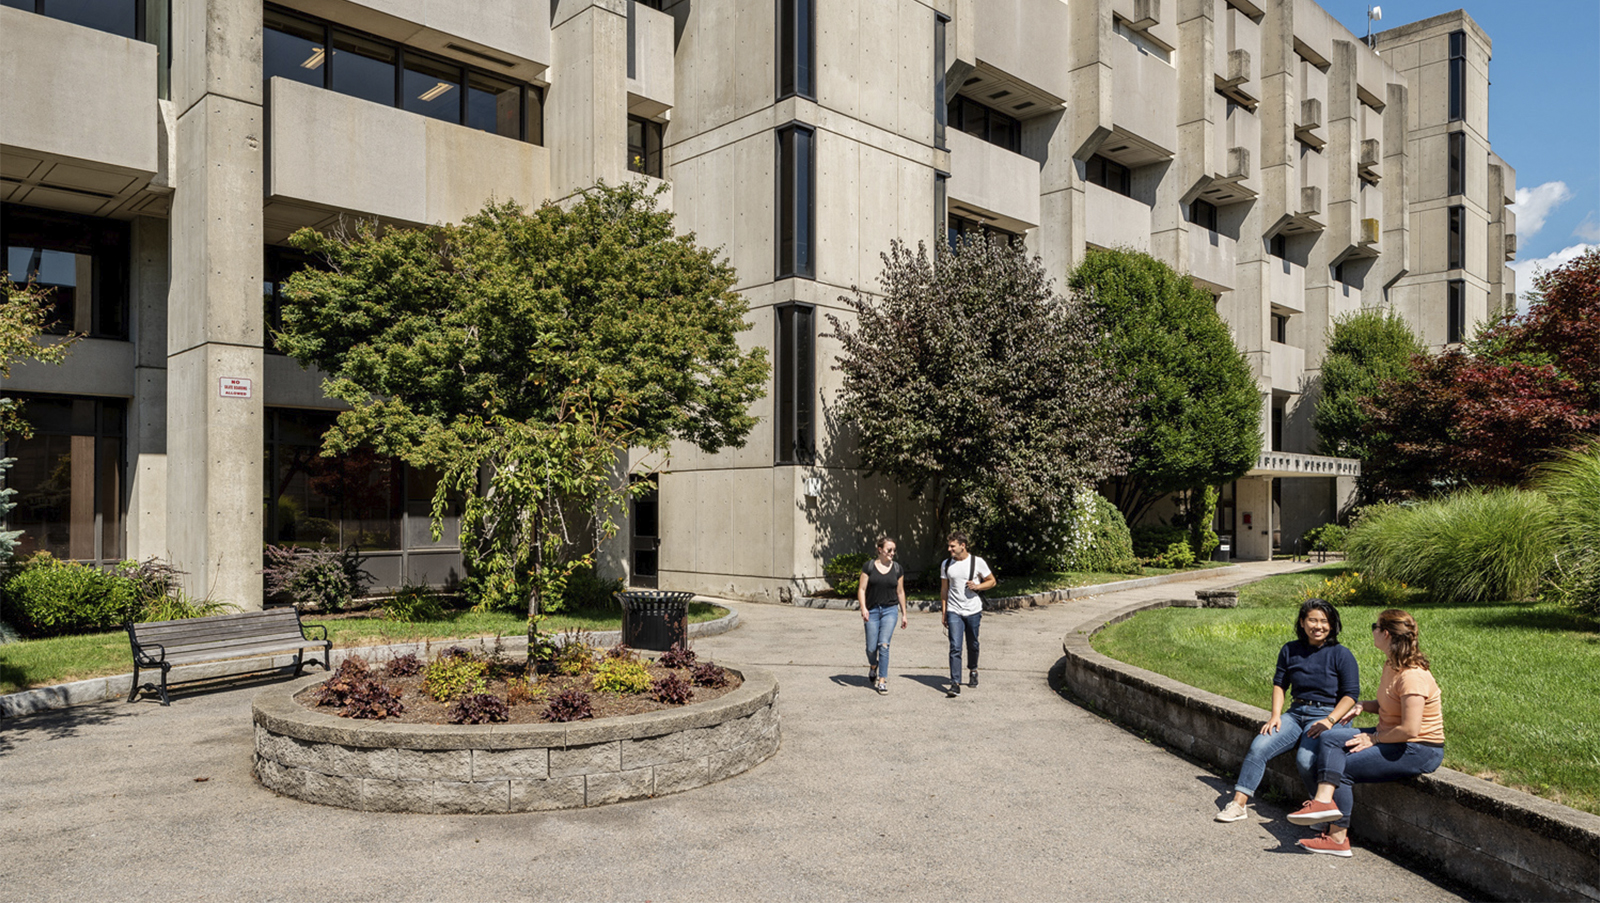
x: 1365, y: 348
x: 1197, y: 419
x: 521, y: 354
x: 24, y: 316
x: 969, y: 381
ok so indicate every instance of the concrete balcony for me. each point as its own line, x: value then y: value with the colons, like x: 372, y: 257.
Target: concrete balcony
x: 328, y: 153
x: 1025, y: 39
x: 1114, y: 221
x: 83, y: 130
x: 1142, y: 88
x: 1211, y: 258
x: 1288, y: 367
x: 1236, y: 32
x: 994, y: 182
x: 501, y: 36
x: 1286, y: 284
x: 650, y: 61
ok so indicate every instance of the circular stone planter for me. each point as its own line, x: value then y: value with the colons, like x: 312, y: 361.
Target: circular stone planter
x: 463, y: 768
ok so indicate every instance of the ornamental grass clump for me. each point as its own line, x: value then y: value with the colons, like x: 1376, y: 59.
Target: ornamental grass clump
x: 1572, y: 483
x: 1471, y: 546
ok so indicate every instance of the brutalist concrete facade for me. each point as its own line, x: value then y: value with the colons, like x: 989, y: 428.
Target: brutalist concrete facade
x: 1288, y: 167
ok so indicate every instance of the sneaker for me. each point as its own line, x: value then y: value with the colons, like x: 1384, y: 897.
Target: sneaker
x: 1315, y: 813
x: 1232, y: 812
x: 1322, y: 843
x: 955, y: 688
x: 973, y: 680
x: 882, y: 687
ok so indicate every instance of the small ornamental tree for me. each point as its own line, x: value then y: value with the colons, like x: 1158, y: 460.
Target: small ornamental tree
x: 1364, y: 349
x: 1197, y: 421
x: 521, y: 354
x: 969, y: 381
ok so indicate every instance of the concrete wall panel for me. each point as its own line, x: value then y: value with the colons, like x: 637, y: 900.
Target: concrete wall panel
x: 995, y: 181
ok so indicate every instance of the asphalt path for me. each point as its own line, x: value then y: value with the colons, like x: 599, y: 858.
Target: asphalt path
x: 1008, y: 792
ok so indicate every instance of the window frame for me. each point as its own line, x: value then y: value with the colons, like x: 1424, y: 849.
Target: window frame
x: 984, y: 118
x: 796, y: 228
x: 1456, y: 237
x: 1103, y: 171
x: 1457, y: 100
x: 1455, y: 311
x: 648, y: 153
x: 109, y: 246
x: 941, y: 107
x: 797, y: 49
x: 794, y: 384
x: 1456, y: 172
x: 1203, y: 213
x: 110, y: 515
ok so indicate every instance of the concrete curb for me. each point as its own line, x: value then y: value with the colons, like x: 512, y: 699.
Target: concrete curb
x: 1049, y: 597
x: 100, y: 689
x: 1501, y: 842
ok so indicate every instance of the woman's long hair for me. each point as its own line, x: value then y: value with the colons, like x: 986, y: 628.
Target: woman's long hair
x: 1404, y: 649
x: 1327, y: 609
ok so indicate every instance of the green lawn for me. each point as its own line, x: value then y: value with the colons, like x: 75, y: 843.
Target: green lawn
x: 1028, y: 584
x: 37, y: 663
x: 1520, y: 682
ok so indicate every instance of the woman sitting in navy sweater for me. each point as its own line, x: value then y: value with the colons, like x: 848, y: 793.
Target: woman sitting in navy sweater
x: 1321, y: 680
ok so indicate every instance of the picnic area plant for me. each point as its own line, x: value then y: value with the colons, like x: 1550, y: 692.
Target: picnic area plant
x: 319, y: 579
x: 672, y: 689
x: 710, y: 676
x: 357, y: 692
x: 679, y: 656
x: 478, y: 708
x: 569, y: 705
x: 450, y: 676
x: 621, y: 675
x: 521, y: 354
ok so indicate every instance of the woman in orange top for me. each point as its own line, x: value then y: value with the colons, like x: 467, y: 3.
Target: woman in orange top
x: 1409, y: 738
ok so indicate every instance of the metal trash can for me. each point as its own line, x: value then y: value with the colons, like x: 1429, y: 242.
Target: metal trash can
x: 1224, y: 550
x: 655, y: 620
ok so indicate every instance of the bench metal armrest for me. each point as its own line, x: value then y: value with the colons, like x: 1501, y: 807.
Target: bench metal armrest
x: 146, y: 659
x: 305, y: 631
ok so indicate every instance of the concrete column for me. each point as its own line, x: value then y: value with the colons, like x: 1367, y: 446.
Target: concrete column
x: 147, y: 416
x: 588, y: 101
x: 1254, y: 542
x: 215, y: 329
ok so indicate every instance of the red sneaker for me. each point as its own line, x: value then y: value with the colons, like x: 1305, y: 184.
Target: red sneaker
x: 1315, y: 813
x: 1322, y: 843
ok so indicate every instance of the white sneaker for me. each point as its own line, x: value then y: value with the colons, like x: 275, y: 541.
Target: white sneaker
x: 1233, y: 812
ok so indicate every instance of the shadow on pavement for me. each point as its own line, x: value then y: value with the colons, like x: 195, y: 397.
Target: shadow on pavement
x: 59, y: 724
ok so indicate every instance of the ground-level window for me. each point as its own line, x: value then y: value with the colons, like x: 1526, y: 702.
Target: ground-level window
x: 69, y: 478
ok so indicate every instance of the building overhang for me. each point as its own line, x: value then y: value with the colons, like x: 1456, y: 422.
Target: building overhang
x: 1290, y: 464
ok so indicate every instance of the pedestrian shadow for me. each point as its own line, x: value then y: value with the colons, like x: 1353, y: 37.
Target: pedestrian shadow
x: 935, y: 682
x: 853, y: 679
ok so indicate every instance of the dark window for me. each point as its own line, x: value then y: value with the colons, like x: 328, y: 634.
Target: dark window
x: 1280, y: 328
x: 1458, y: 163
x: 796, y: 48
x: 646, y: 539
x: 1457, y: 247
x: 357, y: 497
x: 1109, y: 174
x: 796, y: 377
x: 796, y: 202
x: 941, y: 200
x: 1279, y: 247
x: 961, y: 227
x: 1456, y: 311
x: 81, y: 260
x: 1277, y: 431
x: 69, y: 478
x: 941, y: 112
x: 1458, y: 76
x: 363, y: 68
x: 494, y: 105
x: 1203, y: 214
x: 294, y: 48
x: 1338, y: 272
x: 432, y: 88
x: 279, y: 264
x: 985, y: 124
x: 644, y: 146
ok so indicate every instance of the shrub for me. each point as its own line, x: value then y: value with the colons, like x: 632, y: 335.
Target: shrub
x: 1356, y: 588
x: 153, y: 580
x: 522, y: 691
x: 710, y: 676
x: 403, y: 665
x: 320, y: 579
x: 677, y: 657
x: 620, y: 675
x: 412, y: 603
x: 56, y: 598
x: 1572, y: 483
x: 588, y: 591
x: 569, y: 705
x: 449, y: 676
x: 672, y: 690
x: 1153, y: 540
x: 844, y: 572
x: 1471, y: 546
x: 576, y: 654
x: 181, y: 606
x: 478, y: 708
x: 1101, y: 541
x: 1326, y: 538
x: 1178, y: 555
x: 358, y: 692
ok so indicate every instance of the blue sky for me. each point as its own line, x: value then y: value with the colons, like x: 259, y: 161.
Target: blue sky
x: 1544, y: 112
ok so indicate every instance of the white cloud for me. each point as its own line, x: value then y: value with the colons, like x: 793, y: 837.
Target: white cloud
x: 1535, y: 204
x: 1528, y: 270
x: 1589, y: 229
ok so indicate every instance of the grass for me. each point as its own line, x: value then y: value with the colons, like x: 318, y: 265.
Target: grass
x: 37, y: 663
x: 1028, y: 584
x: 1519, y: 681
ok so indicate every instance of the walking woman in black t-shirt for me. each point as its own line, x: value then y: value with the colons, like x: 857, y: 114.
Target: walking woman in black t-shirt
x: 881, y: 595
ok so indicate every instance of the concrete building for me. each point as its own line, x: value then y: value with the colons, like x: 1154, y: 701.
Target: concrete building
x: 1288, y: 167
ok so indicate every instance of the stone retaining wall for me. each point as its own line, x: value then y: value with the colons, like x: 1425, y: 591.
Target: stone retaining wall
x: 372, y: 765
x: 1503, y: 843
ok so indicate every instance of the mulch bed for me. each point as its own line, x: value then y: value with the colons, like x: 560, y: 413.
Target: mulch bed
x: 420, y: 708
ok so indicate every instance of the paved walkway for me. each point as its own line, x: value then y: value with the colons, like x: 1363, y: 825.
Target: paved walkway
x: 1006, y: 793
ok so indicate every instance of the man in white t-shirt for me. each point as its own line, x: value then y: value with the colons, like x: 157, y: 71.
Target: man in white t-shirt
x: 962, y: 577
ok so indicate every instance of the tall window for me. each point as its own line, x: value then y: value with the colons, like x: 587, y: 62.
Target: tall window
x: 1203, y: 214
x: 986, y: 124
x: 1457, y: 246
x: 941, y: 112
x: 941, y: 200
x: 797, y: 387
x: 81, y: 260
x: 69, y: 479
x: 141, y: 20
x: 797, y: 49
x: 295, y: 47
x: 1456, y: 311
x: 1109, y: 174
x: 1458, y: 163
x: 644, y: 146
x: 796, y: 202
x: 1458, y: 76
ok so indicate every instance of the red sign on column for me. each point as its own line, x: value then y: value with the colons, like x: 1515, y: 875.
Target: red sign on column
x: 233, y: 387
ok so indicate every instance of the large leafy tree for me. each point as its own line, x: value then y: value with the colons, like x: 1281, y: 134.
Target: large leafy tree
x: 1198, y: 416
x: 970, y: 381
x: 1364, y: 349
x: 522, y: 353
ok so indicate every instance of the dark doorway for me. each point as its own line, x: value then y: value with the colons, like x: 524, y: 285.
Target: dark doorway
x: 645, y: 543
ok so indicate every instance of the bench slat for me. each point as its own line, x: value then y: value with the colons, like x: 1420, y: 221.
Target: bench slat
x: 185, y: 658
x: 222, y: 647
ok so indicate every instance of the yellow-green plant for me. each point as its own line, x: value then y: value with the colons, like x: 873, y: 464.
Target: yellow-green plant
x: 1356, y: 588
x: 450, y: 676
x: 619, y: 675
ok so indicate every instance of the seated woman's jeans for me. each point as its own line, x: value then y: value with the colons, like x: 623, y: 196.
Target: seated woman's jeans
x: 1377, y: 763
x: 880, y: 629
x: 1291, y: 735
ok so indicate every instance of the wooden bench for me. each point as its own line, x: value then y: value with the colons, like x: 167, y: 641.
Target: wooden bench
x: 162, y: 644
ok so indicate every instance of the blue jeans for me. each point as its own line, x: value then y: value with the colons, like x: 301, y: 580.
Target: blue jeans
x: 880, y: 628
x: 962, y: 625
x: 1291, y: 735
x: 1376, y: 763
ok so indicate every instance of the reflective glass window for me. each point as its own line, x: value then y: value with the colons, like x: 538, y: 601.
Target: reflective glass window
x: 294, y: 49
x: 119, y: 17
x: 363, y: 68
x: 69, y: 479
x: 81, y: 260
x: 494, y: 105
x: 432, y: 88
